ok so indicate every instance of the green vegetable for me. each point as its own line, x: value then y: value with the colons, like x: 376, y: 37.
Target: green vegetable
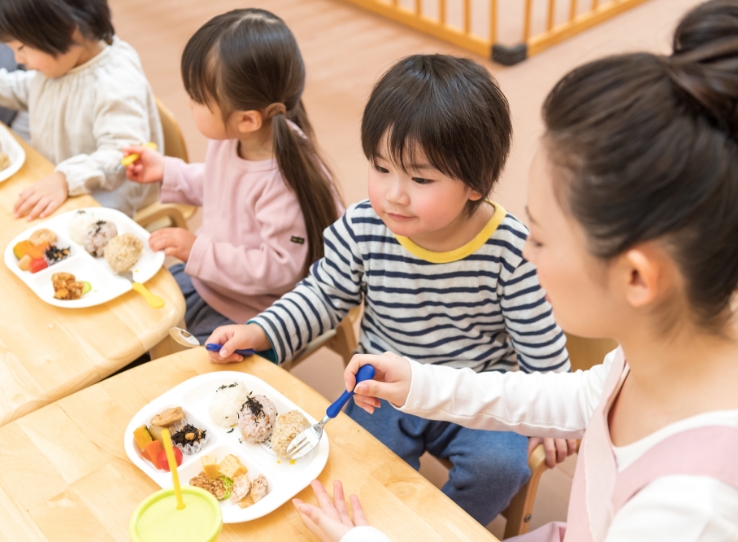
x: 228, y: 483
x: 87, y: 287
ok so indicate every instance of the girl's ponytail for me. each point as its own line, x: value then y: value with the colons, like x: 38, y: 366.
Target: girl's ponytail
x: 308, y: 178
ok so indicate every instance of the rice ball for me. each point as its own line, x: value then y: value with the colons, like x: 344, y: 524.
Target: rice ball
x: 257, y: 418
x: 226, y: 403
x: 123, y: 251
x: 98, y: 236
x: 79, y: 223
x: 288, y: 426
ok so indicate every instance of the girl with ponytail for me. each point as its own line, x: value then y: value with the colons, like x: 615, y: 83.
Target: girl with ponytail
x: 633, y: 207
x: 265, y: 193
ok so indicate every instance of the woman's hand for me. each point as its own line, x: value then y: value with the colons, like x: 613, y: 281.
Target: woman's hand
x: 557, y: 449
x: 331, y: 521
x: 237, y: 337
x: 391, y: 381
x: 149, y: 168
x: 43, y: 198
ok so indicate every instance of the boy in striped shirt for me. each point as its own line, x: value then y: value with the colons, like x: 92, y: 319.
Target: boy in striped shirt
x: 437, y: 265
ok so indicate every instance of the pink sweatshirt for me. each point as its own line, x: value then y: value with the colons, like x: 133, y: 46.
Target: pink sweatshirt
x: 248, y: 250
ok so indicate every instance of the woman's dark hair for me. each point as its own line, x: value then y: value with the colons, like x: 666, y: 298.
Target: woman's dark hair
x: 247, y: 59
x: 449, y: 109
x: 48, y: 25
x: 648, y: 148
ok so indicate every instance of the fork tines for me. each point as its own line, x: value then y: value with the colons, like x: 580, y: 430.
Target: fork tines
x: 297, y: 447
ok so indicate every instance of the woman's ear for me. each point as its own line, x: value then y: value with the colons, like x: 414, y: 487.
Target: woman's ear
x: 248, y: 121
x: 648, y: 274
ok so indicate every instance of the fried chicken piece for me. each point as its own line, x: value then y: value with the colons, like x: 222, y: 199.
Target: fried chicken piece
x: 259, y: 488
x: 66, y: 286
x: 241, y: 487
x: 42, y: 236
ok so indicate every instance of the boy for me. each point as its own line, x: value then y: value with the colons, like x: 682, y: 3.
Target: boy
x: 438, y: 267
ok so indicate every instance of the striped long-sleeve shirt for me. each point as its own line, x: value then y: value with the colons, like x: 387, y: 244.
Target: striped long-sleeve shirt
x: 479, y: 306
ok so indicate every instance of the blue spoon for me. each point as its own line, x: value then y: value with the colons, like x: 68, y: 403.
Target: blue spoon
x: 304, y: 443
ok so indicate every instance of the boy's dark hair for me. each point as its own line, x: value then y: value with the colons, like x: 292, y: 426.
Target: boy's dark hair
x: 449, y: 109
x: 648, y: 148
x: 247, y: 59
x: 48, y: 25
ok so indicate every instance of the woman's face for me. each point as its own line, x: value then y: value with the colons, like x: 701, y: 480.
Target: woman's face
x: 577, y: 283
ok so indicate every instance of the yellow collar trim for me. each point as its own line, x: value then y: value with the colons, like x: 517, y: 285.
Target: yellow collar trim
x: 463, y: 251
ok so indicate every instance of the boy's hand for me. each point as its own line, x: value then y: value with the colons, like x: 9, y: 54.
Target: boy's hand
x: 391, y: 381
x: 237, y: 337
x: 331, y: 521
x: 557, y: 449
x: 43, y: 198
x: 175, y: 242
x: 149, y: 168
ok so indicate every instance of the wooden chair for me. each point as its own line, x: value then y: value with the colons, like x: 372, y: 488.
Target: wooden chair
x: 158, y: 215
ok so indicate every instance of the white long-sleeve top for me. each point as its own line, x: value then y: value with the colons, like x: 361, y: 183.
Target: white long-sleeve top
x: 81, y: 121
x: 674, y: 508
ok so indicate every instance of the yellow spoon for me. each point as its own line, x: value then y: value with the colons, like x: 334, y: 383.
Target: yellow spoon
x: 128, y: 160
x: 152, y: 300
x: 166, y: 440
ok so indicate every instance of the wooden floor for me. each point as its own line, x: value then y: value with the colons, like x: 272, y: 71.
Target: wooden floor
x: 346, y: 49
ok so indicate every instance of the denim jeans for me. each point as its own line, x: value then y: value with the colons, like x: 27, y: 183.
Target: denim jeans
x: 201, y: 319
x: 488, y: 466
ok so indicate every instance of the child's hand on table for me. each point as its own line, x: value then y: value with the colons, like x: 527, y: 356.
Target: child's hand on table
x: 391, y: 381
x: 43, y: 198
x: 149, y: 168
x: 557, y: 449
x: 331, y: 521
x: 176, y: 242
x: 237, y: 337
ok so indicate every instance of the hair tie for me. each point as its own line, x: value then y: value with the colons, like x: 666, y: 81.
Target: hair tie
x: 275, y: 109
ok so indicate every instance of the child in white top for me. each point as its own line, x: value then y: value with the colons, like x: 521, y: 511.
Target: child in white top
x: 87, y: 98
x: 633, y: 232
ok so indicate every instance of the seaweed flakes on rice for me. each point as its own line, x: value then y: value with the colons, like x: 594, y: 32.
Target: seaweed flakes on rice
x: 257, y: 418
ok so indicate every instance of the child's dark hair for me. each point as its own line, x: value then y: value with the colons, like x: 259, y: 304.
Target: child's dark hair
x: 648, y: 148
x: 247, y: 59
x: 48, y: 25
x: 449, y: 109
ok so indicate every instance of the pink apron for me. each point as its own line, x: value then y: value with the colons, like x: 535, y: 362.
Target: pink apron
x: 599, y: 491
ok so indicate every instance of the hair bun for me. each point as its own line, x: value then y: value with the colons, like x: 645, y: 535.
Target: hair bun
x: 704, y: 64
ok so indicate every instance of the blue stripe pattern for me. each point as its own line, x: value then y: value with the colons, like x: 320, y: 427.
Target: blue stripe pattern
x: 485, y: 311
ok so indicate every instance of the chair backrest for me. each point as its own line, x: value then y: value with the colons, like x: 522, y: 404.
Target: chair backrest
x: 174, y: 143
x: 585, y: 353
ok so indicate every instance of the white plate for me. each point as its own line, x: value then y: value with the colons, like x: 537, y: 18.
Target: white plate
x: 15, y: 152
x: 286, y: 478
x: 106, y: 285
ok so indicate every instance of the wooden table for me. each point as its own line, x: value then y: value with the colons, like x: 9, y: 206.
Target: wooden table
x: 48, y: 352
x: 64, y: 474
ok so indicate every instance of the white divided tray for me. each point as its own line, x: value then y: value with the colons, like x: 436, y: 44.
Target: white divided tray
x: 15, y: 152
x: 106, y: 285
x: 286, y: 478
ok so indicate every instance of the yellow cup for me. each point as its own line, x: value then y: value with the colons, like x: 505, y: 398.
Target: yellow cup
x: 157, y: 519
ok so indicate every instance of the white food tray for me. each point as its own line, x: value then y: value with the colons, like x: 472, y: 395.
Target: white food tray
x: 286, y: 478
x: 106, y: 285
x: 15, y: 152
